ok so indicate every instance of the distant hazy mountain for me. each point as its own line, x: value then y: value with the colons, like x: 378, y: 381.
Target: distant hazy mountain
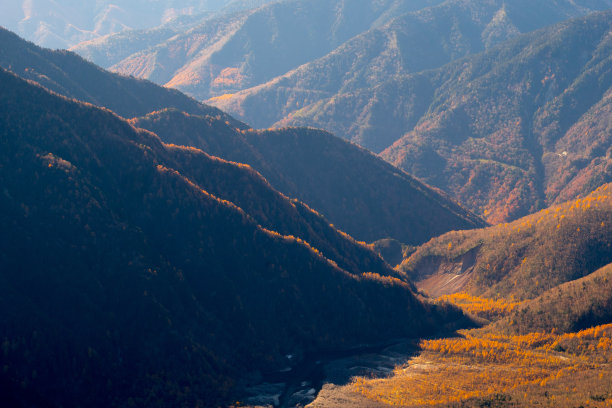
x: 339, y: 93
x: 130, y: 278
x: 235, y: 52
x: 63, y: 23
x: 111, y: 49
x: 227, y: 55
x: 506, y: 132
x: 522, y: 259
x: 356, y: 191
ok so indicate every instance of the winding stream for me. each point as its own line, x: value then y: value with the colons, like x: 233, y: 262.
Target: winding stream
x: 300, y: 384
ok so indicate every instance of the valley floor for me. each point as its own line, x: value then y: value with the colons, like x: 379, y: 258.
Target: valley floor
x: 482, y: 368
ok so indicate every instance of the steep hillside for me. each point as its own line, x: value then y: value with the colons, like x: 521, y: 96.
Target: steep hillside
x: 70, y: 75
x: 368, y: 213
x: 355, y: 190
x: 506, y: 132
x: 522, y: 126
x: 573, y: 306
x: 522, y: 259
x: 326, y: 92
x: 124, y: 282
x: 231, y: 53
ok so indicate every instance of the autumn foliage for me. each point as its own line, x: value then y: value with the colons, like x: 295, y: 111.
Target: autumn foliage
x: 482, y: 307
x: 517, y: 370
x: 529, y: 256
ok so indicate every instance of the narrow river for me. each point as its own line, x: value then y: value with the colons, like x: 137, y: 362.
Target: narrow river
x: 300, y: 385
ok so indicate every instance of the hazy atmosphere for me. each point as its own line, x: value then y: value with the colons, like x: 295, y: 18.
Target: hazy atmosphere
x: 306, y: 203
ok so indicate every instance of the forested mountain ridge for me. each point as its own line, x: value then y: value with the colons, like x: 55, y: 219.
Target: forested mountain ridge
x: 157, y: 252
x: 139, y: 271
x: 496, y: 148
x: 358, y: 192
x: 70, y: 75
x: 570, y: 307
x: 522, y: 126
x: 506, y: 132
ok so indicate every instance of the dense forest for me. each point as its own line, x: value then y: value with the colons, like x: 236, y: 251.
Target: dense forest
x: 147, y: 289
x: 357, y: 191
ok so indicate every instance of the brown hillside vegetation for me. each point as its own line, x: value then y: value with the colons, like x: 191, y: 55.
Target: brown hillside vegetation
x: 571, y: 306
x: 526, y: 257
x: 520, y: 127
x: 568, y: 307
x: 554, y: 350
x: 534, y: 357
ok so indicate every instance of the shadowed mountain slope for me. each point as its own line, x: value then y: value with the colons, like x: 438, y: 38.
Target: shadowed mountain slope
x: 521, y: 259
x: 358, y: 192
x: 355, y: 190
x: 70, y: 75
x: 146, y: 288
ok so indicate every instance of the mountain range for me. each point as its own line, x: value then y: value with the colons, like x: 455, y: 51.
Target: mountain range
x: 238, y: 51
x: 156, y: 264
x: 355, y: 190
x: 423, y: 87
x: 233, y: 53
x: 64, y: 23
x: 501, y: 150
x: 424, y: 39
